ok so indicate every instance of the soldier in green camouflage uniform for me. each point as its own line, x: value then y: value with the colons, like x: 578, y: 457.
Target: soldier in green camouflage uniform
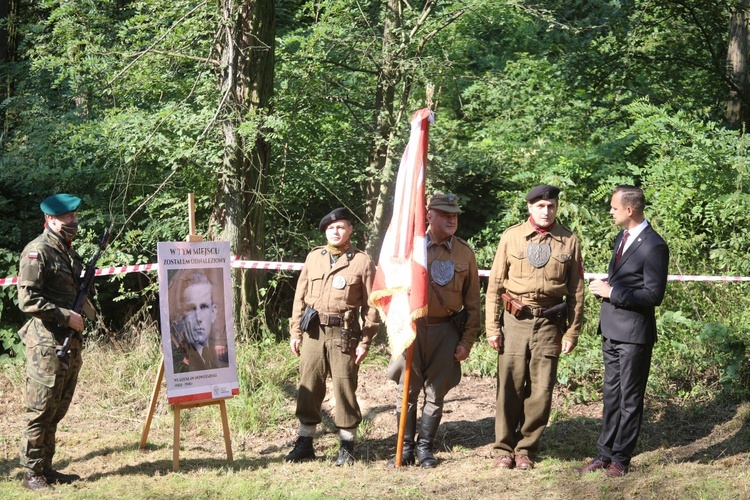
x: 48, y: 283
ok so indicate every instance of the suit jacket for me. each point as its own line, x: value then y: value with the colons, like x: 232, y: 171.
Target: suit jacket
x: 638, y: 284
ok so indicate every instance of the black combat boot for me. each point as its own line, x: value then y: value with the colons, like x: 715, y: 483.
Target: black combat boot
x: 35, y: 481
x: 303, y: 450
x: 427, y: 433
x: 407, y: 455
x: 346, y: 453
x: 54, y: 477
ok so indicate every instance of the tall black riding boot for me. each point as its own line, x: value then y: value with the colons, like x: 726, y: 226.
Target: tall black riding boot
x: 427, y: 432
x: 407, y: 455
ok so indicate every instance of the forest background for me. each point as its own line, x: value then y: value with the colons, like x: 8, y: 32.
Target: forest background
x: 274, y: 112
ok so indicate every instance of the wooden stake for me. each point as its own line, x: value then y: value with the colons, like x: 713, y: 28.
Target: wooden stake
x: 429, y: 92
x: 191, y: 218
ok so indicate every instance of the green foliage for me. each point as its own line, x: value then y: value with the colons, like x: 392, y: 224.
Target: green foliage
x: 696, y: 177
x: 583, y: 367
x: 119, y: 103
x: 482, y: 361
x: 265, y: 369
x: 11, y: 346
x: 675, y: 368
x: 726, y: 355
x: 12, y: 349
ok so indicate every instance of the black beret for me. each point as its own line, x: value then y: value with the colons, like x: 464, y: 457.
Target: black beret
x: 543, y: 191
x: 337, y: 214
x: 60, y: 204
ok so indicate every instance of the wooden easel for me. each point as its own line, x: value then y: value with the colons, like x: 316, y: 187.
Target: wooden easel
x: 176, y: 408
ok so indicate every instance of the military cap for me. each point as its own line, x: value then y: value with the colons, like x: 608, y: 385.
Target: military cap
x: 445, y: 202
x: 60, y: 204
x: 337, y: 214
x: 544, y: 192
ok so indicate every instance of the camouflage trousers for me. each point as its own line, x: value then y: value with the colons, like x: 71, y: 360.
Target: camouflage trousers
x: 49, y: 391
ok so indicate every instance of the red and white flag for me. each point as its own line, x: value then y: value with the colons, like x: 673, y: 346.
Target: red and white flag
x: 400, y: 287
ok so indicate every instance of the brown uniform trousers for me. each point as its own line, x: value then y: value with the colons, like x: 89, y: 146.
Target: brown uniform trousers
x: 48, y: 282
x: 527, y: 362
x: 434, y: 368
x: 332, y: 289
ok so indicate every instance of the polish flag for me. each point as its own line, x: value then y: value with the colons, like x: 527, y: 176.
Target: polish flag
x: 400, y: 287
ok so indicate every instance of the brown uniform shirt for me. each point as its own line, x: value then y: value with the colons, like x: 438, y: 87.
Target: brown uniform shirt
x: 462, y: 291
x: 561, y: 277
x: 336, y: 289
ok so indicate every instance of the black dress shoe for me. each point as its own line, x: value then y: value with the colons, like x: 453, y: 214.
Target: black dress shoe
x: 55, y: 477
x: 35, y: 482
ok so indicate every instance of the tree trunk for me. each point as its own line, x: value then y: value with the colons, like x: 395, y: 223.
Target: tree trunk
x: 247, y: 70
x: 8, y: 43
x: 738, y: 103
x: 5, y: 19
x: 390, y: 109
x: 380, y: 161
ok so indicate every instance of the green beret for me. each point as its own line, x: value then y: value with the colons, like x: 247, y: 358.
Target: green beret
x: 445, y: 202
x: 60, y: 204
x: 338, y: 214
x: 544, y: 192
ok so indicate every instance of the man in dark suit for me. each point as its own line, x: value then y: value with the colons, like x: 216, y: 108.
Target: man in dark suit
x: 635, y: 285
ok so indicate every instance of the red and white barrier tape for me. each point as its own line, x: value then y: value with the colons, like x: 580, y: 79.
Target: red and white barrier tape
x: 294, y: 266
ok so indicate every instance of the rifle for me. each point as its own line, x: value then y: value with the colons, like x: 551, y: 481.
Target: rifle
x: 83, y: 291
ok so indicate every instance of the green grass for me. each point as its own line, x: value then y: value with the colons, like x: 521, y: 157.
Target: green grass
x: 686, y: 451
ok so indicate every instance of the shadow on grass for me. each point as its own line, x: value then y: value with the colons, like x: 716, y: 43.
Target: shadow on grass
x: 685, y: 433
x: 159, y: 467
x: 7, y: 466
x: 705, y: 433
x: 571, y: 438
x: 466, y: 434
x: 737, y: 443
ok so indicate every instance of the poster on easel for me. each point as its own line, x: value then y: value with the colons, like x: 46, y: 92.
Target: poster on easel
x: 197, y: 331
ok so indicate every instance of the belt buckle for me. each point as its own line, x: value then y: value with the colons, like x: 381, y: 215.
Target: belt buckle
x: 323, y: 318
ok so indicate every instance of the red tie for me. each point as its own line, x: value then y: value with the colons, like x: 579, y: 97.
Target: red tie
x: 622, y: 247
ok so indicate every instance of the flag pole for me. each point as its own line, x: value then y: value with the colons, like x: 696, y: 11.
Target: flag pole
x: 410, y: 350
x: 404, y: 404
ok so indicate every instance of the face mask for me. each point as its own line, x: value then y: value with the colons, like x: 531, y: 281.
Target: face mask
x: 69, y: 231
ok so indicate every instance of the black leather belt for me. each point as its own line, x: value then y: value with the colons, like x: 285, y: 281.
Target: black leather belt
x: 330, y: 319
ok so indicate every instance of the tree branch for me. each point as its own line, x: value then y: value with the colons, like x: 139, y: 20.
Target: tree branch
x: 156, y: 42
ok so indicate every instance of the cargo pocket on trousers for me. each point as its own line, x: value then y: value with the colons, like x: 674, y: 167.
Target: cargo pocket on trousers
x: 42, y: 365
